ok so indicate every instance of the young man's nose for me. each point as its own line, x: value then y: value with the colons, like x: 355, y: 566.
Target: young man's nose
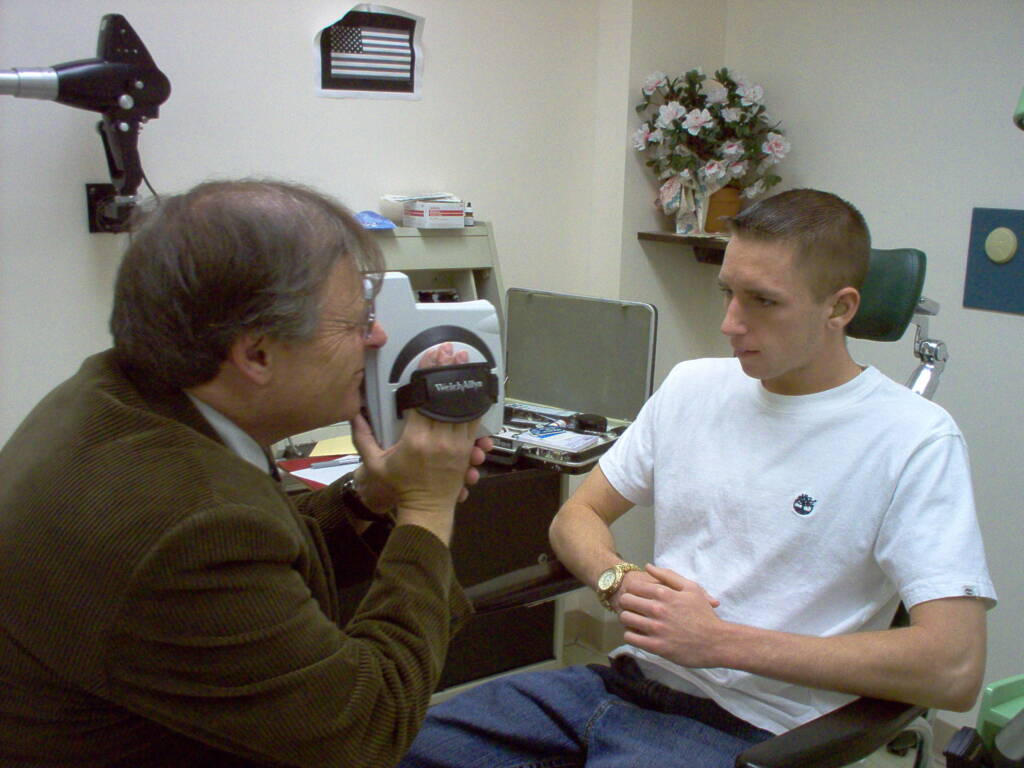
x: 732, y: 323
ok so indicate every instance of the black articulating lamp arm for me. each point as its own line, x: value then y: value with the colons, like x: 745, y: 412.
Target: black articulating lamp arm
x: 123, y: 84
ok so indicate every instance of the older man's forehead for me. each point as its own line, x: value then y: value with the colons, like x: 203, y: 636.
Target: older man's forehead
x: 344, y: 288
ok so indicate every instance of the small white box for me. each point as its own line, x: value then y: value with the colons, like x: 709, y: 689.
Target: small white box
x: 433, y: 214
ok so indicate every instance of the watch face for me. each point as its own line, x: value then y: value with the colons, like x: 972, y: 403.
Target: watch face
x: 606, y: 579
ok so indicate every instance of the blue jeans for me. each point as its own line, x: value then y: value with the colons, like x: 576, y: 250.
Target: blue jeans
x: 592, y: 716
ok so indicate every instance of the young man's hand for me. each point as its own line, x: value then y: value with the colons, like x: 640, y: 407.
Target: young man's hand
x: 669, y: 615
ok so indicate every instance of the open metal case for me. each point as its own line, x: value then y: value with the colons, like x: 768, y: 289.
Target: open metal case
x: 578, y: 369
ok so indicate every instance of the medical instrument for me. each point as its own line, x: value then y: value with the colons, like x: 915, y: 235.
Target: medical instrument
x: 395, y: 381
x: 125, y: 86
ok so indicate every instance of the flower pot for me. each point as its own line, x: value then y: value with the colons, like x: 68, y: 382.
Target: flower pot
x: 722, y: 204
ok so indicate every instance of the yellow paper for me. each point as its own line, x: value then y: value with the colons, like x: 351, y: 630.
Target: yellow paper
x: 334, y: 445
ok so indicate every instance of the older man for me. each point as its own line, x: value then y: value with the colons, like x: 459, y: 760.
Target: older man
x: 163, y: 602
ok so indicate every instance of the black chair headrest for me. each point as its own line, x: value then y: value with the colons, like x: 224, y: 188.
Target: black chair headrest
x: 891, y: 292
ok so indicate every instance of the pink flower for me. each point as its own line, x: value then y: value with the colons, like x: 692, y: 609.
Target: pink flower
x: 775, y: 146
x: 736, y: 170
x: 668, y: 113
x: 714, y: 170
x: 697, y: 119
x: 732, y: 114
x: 753, y: 190
x: 750, y: 94
x: 715, y: 92
x: 732, y: 148
x: 642, y: 136
x: 653, y: 82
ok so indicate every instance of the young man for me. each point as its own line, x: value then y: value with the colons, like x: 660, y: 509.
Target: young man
x: 798, y: 498
x: 164, y: 603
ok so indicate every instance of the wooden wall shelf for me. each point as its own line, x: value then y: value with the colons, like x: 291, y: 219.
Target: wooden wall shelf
x: 707, y: 250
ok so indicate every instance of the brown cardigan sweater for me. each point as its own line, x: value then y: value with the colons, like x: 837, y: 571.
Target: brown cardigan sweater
x: 163, y: 603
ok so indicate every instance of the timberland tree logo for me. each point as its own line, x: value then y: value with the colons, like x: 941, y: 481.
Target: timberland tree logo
x: 804, y: 504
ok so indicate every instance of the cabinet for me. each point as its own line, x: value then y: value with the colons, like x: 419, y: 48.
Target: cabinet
x: 502, y: 527
x: 463, y: 259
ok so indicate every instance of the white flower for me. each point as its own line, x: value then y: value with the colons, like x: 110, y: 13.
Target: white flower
x: 775, y: 146
x: 715, y: 92
x: 753, y: 190
x: 642, y: 136
x: 732, y: 114
x: 736, y: 170
x: 732, y: 148
x: 750, y: 94
x: 714, y: 170
x: 653, y: 82
x: 645, y: 136
x: 696, y: 120
x: 668, y: 113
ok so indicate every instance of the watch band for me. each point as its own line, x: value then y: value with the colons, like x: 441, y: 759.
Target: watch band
x: 617, y: 572
x: 354, y: 504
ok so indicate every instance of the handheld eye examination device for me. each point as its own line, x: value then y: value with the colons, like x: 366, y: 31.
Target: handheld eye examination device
x: 395, y: 380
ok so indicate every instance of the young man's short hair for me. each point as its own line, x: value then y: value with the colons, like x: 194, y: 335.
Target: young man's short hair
x: 831, y: 237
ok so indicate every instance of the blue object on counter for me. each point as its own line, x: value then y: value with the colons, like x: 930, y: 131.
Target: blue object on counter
x: 373, y: 220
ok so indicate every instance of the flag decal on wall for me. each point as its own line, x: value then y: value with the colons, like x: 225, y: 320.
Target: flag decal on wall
x: 368, y: 51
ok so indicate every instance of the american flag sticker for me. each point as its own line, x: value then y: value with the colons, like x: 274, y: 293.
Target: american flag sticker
x: 368, y: 51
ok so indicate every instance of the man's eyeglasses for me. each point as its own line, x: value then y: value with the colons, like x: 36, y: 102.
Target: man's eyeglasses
x: 369, y: 318
x: 365, y: 325
x: 370, y: 311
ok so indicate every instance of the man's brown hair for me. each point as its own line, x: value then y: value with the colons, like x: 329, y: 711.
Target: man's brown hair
x: 831, y: 238
x: 226, y: 258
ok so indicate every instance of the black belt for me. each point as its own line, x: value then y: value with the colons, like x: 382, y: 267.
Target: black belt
x: 625, y: 679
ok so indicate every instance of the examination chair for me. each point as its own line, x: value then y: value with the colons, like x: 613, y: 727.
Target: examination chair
x: 890, y: 300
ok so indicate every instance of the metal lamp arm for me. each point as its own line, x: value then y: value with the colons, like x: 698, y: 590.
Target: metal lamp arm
x: 932, y: 353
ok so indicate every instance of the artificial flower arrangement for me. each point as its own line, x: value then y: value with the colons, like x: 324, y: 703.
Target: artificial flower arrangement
x: 703, y: 134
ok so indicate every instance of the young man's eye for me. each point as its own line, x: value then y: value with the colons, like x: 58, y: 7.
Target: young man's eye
x: 762, y: 301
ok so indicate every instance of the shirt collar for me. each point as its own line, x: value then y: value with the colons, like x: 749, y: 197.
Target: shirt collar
x: 234, y: 437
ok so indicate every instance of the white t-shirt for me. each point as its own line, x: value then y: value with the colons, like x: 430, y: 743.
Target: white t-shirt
x: 813, y: 514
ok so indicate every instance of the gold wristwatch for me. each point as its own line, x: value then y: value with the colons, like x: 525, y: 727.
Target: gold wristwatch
x: 609, y: 581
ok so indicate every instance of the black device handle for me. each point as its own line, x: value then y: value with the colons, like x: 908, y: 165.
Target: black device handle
x: 452, y: 393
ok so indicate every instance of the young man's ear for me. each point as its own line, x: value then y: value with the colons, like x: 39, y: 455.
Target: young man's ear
x: 251, y: 355
x: 845, y: 303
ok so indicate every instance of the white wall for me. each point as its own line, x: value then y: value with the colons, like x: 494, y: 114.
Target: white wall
x: 506, y: 119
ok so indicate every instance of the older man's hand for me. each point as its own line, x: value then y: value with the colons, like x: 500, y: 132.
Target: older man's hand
x: 431, y: 466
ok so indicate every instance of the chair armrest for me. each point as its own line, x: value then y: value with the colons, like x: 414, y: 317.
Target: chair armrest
x: 1009, y: 742
x: 838, y: 738
x: 526, y: 586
